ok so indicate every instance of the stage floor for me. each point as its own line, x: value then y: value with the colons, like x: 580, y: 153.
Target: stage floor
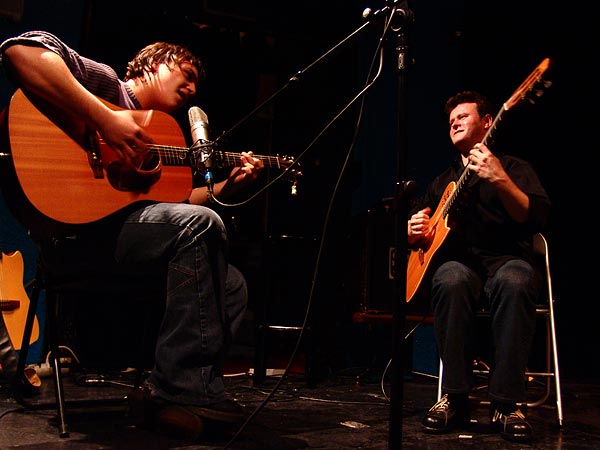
x: 347, y: 410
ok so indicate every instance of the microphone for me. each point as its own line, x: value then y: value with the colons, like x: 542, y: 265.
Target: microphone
x: 199, y: 129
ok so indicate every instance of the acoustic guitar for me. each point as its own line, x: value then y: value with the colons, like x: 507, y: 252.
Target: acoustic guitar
x: 14, y: 301
x: 419, y: 258
x: 62, y: 173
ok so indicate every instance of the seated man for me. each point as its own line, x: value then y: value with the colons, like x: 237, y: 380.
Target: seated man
x: 487, y: 254
x: 205, y: 296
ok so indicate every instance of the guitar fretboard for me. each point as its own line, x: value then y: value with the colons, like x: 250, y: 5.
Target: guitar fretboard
x: 181, y: 156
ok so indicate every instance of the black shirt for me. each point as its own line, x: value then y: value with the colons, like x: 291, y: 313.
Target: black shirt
x: 483, y: 235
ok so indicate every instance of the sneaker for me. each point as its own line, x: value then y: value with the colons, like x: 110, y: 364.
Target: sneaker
x: 447, y: 414
x: 511, y: 423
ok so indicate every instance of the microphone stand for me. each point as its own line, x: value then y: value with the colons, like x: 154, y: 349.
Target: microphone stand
x: 400, y: 23
x: 403, y: 18
x: 374, y: 17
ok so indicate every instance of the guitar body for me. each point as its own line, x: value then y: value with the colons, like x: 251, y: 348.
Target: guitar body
x: 420, y: 257
x: 14, y: 301
x: 56, y: 176
x: 54, y: 172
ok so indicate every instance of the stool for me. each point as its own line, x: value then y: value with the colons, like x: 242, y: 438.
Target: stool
x: 288, y: 270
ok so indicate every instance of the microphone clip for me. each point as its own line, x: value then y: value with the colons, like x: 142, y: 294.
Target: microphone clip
x: 208, y: 159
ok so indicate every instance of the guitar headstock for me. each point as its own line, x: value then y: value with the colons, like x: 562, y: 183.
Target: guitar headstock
x: 289, y: 164
x: 533, y: 84
x: 291, y: 172
x: 290, y: 167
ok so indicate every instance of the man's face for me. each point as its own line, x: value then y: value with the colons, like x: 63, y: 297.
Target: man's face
x: 173, y: 85
x: 466, y: 127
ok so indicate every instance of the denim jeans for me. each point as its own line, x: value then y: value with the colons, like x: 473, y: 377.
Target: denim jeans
x: 206, y: 297
x: 510, y: 295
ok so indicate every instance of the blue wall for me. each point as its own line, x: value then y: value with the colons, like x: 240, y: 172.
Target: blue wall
x: 37, y: 14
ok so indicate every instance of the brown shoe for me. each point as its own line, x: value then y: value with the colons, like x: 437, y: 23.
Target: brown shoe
x: 181, y: 421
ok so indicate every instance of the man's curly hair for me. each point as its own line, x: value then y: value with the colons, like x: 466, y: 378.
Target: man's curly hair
x: 484, y: 106
x: 161, y: 53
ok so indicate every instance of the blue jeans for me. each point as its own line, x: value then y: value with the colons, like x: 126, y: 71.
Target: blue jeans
x: 511, y: 295
x: 206, y: 297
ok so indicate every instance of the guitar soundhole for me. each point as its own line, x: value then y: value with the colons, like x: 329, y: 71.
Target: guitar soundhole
x: 125, y: 177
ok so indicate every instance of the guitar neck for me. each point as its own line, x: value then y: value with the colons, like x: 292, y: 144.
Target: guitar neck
x: 182, y: 156
x: 231, y: 159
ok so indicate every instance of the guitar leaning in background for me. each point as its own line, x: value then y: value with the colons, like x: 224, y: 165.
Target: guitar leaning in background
x: 14, y: 304
x: 14, y: 301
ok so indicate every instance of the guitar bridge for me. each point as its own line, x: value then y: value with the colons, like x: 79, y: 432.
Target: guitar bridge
x: 9, y: 305
x: 93, y: 154
x: 421, y: 256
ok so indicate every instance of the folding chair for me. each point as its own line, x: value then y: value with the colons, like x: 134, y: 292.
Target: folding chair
x: 545, y: 310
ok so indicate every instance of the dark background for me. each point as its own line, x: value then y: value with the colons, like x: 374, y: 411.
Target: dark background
x: 252, y: 49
